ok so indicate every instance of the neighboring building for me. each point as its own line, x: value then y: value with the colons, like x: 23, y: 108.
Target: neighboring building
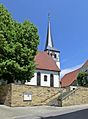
x: 47, y: 64
x: 84, y: 68
x: 70, y: 79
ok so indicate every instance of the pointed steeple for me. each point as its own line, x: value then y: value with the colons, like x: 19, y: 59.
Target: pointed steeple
x: 49, y: 47
x: 49, y: 40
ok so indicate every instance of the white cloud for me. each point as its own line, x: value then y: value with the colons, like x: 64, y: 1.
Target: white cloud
x: 67, y: 70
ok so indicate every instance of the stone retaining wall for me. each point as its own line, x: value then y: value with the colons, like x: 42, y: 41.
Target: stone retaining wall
x: 13, y: 95
x: 79, y: 96
x: 5, y: 94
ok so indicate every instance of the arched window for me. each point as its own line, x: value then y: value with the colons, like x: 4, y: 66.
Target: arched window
x: 38, y: 78
x: 45, y: 78
x: 51, y: 80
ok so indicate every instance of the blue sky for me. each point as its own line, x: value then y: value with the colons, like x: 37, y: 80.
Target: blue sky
x: 69, y: 25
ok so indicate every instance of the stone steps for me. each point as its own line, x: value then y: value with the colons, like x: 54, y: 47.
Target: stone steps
x: 77, y: 97
x: 50, y: 100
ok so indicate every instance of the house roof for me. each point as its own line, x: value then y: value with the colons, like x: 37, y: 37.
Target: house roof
x: 69, y: 78
x: 85, y: 64
x: 45, y: 62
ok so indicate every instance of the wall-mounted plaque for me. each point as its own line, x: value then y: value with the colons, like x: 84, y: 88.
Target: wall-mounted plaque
x: 27, y: 96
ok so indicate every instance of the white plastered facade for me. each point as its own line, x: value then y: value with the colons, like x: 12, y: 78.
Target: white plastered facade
x: 56, y: 78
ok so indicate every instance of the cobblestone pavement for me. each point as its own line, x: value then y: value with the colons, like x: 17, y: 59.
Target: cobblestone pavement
x: 36, y: 112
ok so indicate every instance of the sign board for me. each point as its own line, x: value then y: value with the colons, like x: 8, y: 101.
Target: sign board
x: 27, y: 96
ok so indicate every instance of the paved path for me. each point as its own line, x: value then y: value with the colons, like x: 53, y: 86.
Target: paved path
x: 36, y: 112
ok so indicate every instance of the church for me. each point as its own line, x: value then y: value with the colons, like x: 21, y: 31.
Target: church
x: 47, y: 64
x: 43, y: 88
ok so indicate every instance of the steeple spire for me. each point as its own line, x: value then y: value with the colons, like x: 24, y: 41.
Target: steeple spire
x: 49, y: 47
x: 49, y: 41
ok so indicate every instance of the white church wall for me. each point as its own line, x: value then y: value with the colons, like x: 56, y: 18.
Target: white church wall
x: 33, y: 81
x: 56, y: 81
x: 47, y: 73
x: 45, y: 83
x: 43, y: 73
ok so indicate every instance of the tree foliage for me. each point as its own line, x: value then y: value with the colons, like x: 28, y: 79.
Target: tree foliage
x: 18, y: 47
x: 82, y: 79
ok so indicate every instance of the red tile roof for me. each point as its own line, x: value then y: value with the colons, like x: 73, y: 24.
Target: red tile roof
x: 45, y: 62
x: 69, y: 78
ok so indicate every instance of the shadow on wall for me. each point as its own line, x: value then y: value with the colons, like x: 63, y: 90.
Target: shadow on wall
x: 4, y: 92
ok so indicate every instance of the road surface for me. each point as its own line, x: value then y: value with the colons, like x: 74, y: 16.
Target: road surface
x: 44, y: 112
x: 83, y: 114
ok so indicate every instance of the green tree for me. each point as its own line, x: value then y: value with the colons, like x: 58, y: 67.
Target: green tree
x: 18, y: 47
x: 82, y: 79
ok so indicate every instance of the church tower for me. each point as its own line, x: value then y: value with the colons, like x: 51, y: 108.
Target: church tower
x: 49, y: 47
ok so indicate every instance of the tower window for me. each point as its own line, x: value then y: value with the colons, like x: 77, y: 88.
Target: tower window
x: 55, y: 56
x: 45, y: 78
